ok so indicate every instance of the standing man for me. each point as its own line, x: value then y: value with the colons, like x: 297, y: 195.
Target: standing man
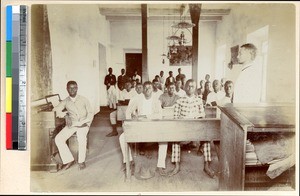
x: 207, y: 77
x: 190, y: 107
x: 136, y: 77
x: 122, y: 79
x: 248, y: 86
x: 110, y: 82
x: 170, y: 79
x: 78, y: 118
x: 162, y: 80
x: 181, y: 77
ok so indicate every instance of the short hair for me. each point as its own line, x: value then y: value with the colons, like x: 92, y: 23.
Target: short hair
x: 154, y: 80
x: 71, y: 82
x: 216, y: 80
x: 170, y: 72
x: 171, y: 83
x: 189, y: 81
x: 147, y: 83
x: 228, y: 82
x: 178, y: 81
x: 252, y: 49
x: 138, y: 83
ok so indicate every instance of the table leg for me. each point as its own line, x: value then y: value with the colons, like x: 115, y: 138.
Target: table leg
x: 128, y: 172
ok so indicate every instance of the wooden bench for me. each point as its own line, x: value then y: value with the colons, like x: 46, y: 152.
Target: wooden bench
x: 169, y: 130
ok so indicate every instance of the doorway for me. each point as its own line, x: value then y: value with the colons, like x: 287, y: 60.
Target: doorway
x: 133, y: 61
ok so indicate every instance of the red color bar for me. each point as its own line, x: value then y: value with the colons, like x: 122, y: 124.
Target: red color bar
x: 8, y: 131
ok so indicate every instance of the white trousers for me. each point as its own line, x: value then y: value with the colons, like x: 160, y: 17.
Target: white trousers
x: 162, y: 152
x: 113, y: 118
x: 64, y: 151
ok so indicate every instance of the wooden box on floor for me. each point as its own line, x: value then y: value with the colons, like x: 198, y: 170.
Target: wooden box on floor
x: 256, y: 178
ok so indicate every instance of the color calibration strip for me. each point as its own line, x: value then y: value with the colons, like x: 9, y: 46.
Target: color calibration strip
x: 16, y: 60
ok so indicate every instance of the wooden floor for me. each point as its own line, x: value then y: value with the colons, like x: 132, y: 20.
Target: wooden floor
x: 104, y: 171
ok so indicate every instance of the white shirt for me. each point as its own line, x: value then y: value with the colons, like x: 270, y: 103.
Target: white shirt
x: 141, y: 106
x: 162, y: 80
x: 224, y: 101
x: 124, y: 94
x: 147, y: 106
x: 180, y: 93
x: 212, y: 96
x: 157, y: 94
x: 137, y: 77
x: 248, y: 86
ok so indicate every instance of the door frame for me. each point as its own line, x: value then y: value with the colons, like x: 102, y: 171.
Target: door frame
x: 128, y: 51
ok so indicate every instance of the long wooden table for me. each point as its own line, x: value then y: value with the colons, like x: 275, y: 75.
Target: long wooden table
x: 237, y: 122
x: 168, y: 113
x: 167, y: 130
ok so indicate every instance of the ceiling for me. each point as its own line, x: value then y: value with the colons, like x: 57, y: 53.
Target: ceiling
x: 166, y: 11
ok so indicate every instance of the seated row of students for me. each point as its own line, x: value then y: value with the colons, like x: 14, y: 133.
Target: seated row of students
x: 150, y: 106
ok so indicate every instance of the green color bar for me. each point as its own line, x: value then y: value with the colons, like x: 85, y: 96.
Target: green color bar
x: 8, y: 58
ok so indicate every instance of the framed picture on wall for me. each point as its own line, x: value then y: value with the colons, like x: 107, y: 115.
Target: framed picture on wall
x: 180, y: 55
x: 234, y: 53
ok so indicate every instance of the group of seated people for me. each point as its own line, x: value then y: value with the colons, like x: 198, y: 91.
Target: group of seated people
x: 147, y: 100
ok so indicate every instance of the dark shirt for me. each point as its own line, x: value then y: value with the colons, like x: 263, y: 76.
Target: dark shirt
x: 169, y: 80
x: 180, y: 77
x: 109, y: 79
x: 204, y: 96
x: 121, y: 81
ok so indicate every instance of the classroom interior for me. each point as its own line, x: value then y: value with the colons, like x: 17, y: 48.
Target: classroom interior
x: 81, y: 41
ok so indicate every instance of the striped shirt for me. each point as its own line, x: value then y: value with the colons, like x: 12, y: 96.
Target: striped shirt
x: 189, y: 107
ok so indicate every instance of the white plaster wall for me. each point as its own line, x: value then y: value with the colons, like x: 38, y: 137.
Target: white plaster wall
x: 124, y: 35
x: 246, y: 18
x: 75, y: 31
x: 207, y: 50
x: 128, y: 35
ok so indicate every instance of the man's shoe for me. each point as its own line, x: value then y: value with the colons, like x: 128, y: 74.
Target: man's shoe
x: 68, y: 165
x: 111, y: 134
x: 81, y: 166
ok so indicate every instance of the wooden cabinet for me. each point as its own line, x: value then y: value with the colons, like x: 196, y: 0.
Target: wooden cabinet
x: 237, y: 123
x: 44, y: 127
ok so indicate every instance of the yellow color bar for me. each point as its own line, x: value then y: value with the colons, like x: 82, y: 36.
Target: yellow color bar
x: 8, y: 95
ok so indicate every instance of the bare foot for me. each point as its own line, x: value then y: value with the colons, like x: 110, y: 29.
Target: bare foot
x: 162, y: 171
x: 175, y: 171
x: 209, y: 171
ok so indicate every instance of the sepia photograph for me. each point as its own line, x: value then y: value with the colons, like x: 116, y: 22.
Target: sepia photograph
x: 182, y: 97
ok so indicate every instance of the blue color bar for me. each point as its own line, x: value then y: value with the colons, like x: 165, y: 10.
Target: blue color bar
x: 8, y: 23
